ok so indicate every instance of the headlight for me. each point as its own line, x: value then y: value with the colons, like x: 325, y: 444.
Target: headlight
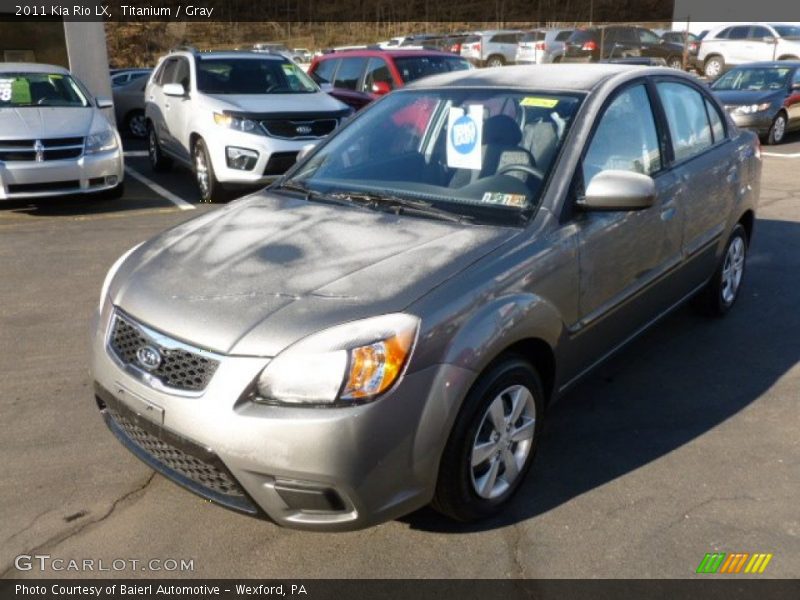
x: 113, y: 271
x: 237, y: 123
x: 347, y: 364
x: 101, y: 141
x: 751, y: 108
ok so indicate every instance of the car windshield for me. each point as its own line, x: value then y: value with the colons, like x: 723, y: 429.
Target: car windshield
x: 252, y: 76
x: 484, y: 155
x: 40, y: 89
x: 788, y: 31
x: 753, y: 79
x: 417, y: 67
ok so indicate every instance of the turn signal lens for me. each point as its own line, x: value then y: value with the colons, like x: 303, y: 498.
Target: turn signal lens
x: 374, y: 368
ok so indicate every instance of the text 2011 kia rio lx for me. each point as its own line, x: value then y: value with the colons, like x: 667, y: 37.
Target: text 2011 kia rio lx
x: 385, y: 326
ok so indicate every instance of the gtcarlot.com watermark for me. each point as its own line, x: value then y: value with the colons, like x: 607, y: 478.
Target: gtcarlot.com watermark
x: 46, y: 562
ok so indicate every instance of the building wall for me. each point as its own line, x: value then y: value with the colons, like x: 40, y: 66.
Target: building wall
x: 40, y: 41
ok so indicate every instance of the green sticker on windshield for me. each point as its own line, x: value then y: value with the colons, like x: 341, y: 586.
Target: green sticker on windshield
x: 539, y: 102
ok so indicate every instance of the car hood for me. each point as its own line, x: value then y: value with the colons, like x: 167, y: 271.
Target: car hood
x: 266, y: 271
x: 318, y: 102
x: 33, y: 122
x: 745, y: 97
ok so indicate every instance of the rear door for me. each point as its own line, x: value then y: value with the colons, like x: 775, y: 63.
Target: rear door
x: 704, y: 165
x: 348, y: 82
x: 626, y: 257
x: 736, y: 47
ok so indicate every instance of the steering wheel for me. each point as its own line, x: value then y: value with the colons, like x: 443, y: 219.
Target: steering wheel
x: 524, y: 168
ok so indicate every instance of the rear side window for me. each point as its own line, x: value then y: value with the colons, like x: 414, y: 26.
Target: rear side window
x: 377, y: 71
x: 625, y: 138
x: 723, y: 34
x: 687, y: 118
x: 324, y: 71
x: 532, y: 36
x: 349, y: 73
x: 739, y: 33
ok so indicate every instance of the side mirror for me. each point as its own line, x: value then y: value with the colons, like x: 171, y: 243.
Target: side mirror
x: 304, y: 151
x: 326, y: 87
x: 381, y: 88
x: 104, y: 102
x: 174, y: 89
x: 619, y: 190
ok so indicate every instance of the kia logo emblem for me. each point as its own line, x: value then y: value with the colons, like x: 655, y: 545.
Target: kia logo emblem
x: 303, y: 129
x: 148, y: 357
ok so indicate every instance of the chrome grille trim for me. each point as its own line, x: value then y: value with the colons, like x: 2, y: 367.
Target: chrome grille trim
x: 48, y: 148
x: 175, y: 352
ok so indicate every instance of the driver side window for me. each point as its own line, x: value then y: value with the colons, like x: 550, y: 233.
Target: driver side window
x: 625, y: 138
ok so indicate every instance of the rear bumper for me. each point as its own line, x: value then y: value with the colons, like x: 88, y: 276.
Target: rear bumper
x: 87, y: 174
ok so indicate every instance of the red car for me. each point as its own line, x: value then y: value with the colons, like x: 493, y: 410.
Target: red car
x: 357, y: 77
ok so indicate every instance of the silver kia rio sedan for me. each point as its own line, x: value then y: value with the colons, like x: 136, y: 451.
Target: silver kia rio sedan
x: 385, y: 326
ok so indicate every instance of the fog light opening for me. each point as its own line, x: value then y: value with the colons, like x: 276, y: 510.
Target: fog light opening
x: 241, y: 159
x: 111, y: 180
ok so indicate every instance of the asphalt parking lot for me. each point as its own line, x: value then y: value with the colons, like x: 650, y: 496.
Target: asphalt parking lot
x: 686, y: 443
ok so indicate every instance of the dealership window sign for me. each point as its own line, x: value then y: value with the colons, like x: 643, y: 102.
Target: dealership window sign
x: 5, y: 89
x: 464, y: 133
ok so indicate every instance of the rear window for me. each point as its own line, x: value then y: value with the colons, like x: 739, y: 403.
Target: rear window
x: 417, y: 67
x: 532, y: 36
x: 563, y: 35
x: 583, y: 35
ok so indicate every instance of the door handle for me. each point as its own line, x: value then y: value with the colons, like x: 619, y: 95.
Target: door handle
x: 166, y: 106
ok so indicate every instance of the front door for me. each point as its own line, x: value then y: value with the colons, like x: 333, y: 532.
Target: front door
x: 625, y: 256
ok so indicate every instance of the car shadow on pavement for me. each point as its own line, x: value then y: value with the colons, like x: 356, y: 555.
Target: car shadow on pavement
x: 683, y: 378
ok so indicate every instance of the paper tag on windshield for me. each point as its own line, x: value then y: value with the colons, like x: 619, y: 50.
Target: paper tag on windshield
x: 5, y: 89
x: 464, y: 133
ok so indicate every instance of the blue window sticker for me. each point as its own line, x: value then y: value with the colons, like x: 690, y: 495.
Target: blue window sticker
x: 464, y: 133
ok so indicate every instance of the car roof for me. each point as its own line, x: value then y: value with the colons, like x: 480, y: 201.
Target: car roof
x: 561, y: 77
x: 769, y: 63
x: 230, y: 54
x: 14, y: 67
x: 392, y: 53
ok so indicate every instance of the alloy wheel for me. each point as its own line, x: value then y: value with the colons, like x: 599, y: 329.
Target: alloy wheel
x: 201, y: 171
x: 137, y: 125
x: 503, y: 442
x: 732, y: 270
x: 778, y: 128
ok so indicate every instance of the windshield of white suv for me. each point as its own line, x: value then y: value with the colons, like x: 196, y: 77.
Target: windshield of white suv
x: 40, y: 89
x: 482, y: 154
x: 252, y: 76
x: 753, y: 79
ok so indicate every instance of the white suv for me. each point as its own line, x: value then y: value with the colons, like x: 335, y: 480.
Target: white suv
x: 234, y: 117
x: 741, y: 43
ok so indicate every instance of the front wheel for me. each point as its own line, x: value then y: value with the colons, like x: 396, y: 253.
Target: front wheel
x: 493, y: 442
x: 777, y: 130
x: 207, y: 184
x: 721, y: 292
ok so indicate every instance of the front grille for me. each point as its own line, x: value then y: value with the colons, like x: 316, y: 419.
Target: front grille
x: 41, y: 150
x: 298, y: 129
x: 50, y: 186
x: 179, y: 368
x: 202, y: 472
x: 280, y: 162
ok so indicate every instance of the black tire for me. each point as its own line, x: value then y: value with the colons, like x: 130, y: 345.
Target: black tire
x: 207, y: 183
x: 714, y: 66
x: 136, y: 125
x: 712, y: 300
x: 675, y: 62
x: 115, y: 193
x: 495, y: 61
x: 456, y: 496
x: 158, y: 161
x: 777, y: 131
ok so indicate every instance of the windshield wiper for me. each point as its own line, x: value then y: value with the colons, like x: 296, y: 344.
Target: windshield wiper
x: 314, y: 196
x: 399, y: 205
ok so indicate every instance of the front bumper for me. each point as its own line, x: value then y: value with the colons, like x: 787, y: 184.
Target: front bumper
x: 758, y: 122
x: 87, y: 174
x: 309, y: 468
x: 275, y: 155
